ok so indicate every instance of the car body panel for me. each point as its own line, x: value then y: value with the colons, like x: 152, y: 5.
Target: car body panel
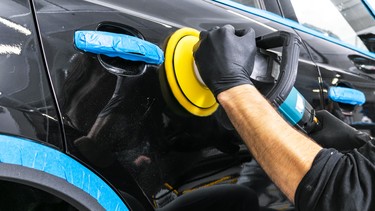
x: 27, y: 104
x: 338, y: 70
x: 333, y: 58
x: 124, y: 128
x: 128, y: 115
x: 22, y: 159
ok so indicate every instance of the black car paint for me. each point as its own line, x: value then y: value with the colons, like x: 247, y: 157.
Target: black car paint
x: 140, y: 125
x: 334, y: 62
x: 126, y: 119
x: 27, y: 104
x: 134, y: 124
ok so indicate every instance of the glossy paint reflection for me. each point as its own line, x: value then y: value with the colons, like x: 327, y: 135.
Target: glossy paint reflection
x: 27, y: 108
x: 122, y: 126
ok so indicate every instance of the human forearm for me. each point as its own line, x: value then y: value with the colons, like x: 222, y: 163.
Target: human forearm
x: 285, y: 154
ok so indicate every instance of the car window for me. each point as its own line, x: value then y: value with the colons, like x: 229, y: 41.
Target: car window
x: 350, y: 23
x: 251, y: 3
x: 340, y: 19
x: 371, y: 6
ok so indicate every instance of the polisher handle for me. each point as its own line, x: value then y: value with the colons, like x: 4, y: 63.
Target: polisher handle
x: 290, y: 44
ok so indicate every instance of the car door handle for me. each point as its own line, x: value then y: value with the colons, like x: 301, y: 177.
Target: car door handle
x: 118, y: 45
x: 346, y: 95
x: 364, y: 64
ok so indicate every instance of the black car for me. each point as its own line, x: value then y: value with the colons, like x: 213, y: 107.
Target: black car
x: 92, y: 131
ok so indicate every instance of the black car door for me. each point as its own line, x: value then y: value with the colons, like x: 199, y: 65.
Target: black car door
x: 122, y: 126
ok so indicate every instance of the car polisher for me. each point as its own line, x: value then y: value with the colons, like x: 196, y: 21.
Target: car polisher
x: 273, y: 75
x: 182, y: 79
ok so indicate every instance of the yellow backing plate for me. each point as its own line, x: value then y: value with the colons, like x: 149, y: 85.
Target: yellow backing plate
x: 179, y: 66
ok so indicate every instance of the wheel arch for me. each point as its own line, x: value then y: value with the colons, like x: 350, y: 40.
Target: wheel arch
x: 26, y: 162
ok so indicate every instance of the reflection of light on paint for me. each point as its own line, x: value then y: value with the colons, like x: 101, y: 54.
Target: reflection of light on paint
x: 334, y: 81
x: 131, y: 12
x: 50, y: 117
x: 317, y: 90
x: 15, y: 26
x: 10, y: 49
x: 252, y: 20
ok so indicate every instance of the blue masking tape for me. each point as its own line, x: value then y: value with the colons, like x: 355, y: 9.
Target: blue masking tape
x: 23, y: 152
x: 118, y: 45
x: 346, y: 95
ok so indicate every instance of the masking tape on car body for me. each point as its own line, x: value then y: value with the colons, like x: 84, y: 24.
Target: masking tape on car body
x: 26, y: 153
x: 346, y: 95
x: 118, y: 45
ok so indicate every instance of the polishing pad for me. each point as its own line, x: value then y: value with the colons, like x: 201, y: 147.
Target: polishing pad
x: 182, y: 76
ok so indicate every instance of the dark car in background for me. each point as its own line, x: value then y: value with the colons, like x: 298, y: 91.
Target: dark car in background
x: 85, y: 131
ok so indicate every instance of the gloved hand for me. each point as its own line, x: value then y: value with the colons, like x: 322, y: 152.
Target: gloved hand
x: 335, y: 133
x: 225, y: 57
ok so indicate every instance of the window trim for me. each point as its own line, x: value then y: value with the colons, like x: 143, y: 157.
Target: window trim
x: 291, y: 23
x: 369, y: 8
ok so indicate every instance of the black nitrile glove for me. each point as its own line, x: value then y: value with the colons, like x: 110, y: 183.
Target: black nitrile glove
x: 335, y: 133
x: 225, y: 57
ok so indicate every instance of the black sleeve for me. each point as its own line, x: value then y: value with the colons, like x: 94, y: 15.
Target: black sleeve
x: 338, y: 181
